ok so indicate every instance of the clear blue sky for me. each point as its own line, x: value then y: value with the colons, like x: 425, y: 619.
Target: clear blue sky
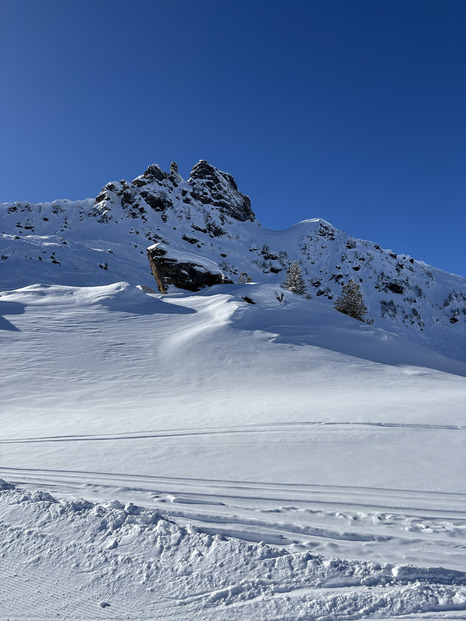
x: 349, y: 110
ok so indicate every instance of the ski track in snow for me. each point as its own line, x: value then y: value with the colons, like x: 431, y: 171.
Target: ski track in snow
x: 138, y: 435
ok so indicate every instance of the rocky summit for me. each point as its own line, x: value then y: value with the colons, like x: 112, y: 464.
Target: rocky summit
x: 202, y: 232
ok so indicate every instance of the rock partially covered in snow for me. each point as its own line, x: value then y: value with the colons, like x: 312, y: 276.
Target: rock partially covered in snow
x: 181, y: 270
x: 213, y: 187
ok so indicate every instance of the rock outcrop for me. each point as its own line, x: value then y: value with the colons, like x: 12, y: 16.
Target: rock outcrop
x: 180, y: 272
x: 211, y: 186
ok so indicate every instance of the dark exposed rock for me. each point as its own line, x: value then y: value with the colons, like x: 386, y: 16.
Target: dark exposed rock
x: 155, y: 172
x: 191, y: 240
x: 175, y: 176
x: 127, y: 198
x: 181, y: 274
x: 326, y: 231
x: 213, y: 229
x: 104, y: 194
x: 159, y: 201
x: 395, y: 287
x: 213, y: 187
x: 204, y: 170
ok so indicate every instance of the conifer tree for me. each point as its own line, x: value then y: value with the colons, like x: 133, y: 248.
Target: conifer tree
x: 351, y: 302
x: 294, y: 281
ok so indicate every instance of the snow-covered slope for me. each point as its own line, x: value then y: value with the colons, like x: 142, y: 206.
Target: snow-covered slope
x: 101, y: 241
x: 199, y: 456
x: 236, y: 460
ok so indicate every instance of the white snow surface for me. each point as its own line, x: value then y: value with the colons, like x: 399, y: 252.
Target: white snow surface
x: 196, y: 456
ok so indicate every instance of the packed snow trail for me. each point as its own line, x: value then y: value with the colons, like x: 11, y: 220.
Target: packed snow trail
x: 234, y: 461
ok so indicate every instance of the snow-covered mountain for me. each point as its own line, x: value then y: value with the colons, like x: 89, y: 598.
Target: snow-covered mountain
x: 207, y: 221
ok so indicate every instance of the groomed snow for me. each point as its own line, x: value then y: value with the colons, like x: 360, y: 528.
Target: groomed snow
x: 198, y: 457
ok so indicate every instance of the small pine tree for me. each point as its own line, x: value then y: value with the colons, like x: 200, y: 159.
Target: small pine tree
x: 294, y: 281
x: 351, y: 302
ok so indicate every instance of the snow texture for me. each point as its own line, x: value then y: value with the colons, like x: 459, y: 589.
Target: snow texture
x: 196, y: 456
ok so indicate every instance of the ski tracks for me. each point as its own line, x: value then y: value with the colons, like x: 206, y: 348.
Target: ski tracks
x: 226, y: 549
x: 379, y: 524
x: 87, y: 560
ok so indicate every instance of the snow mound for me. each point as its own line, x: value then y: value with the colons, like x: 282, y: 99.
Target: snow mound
x: 97, y: 556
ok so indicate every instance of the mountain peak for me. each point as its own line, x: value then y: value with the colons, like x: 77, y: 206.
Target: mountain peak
x: 204, y: 170
x: 154, y: 172
x: 212, y: 186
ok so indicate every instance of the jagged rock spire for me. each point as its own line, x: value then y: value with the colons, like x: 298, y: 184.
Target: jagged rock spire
x: 217, y: 188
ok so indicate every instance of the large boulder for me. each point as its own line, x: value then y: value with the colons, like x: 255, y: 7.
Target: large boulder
x: 181, y: 270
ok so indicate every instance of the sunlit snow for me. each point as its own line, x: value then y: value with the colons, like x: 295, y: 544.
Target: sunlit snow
x: 196, y: 456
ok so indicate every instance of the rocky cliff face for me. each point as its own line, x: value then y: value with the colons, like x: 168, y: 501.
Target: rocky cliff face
x: 156, y: 190
x: 205, y: 225
x: 212, y: 187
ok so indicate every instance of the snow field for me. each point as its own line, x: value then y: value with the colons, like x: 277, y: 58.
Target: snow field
x: 267, y: 461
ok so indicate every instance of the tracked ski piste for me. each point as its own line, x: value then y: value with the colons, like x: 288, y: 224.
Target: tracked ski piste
x: 200, y: 457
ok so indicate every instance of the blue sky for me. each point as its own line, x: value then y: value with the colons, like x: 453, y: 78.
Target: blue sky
x: 352, y: 111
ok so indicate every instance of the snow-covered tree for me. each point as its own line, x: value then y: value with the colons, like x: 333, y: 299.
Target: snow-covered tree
x: 294, y: 280
x: 351, y: 302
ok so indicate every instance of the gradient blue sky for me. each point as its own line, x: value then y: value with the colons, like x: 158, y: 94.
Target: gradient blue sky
x: 349, y: 110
